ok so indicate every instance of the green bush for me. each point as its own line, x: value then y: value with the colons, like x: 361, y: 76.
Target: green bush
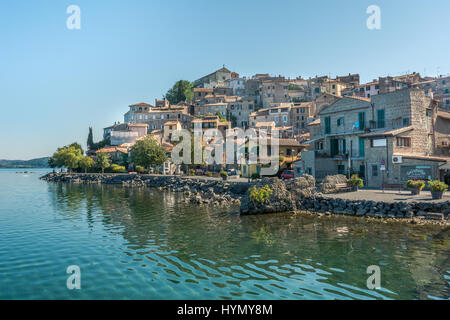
x: 140, y: 169
x: 192, y: 172
x: 208, y: 174
x: 436, y: 185
x: 355, y: 181
x: 415, y: 184
x: 260, y: 195
x: 118, y: 169
x: 255, y: 176
x: 223, y: 174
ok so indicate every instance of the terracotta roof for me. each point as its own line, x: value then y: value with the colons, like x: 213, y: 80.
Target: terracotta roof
x: 443, y: 114
x: 265, y: 124
x: 140, y: 104
x: 203, y: 90
x: 171, y: 123
x: 289, y: 143
x: 111, y: 150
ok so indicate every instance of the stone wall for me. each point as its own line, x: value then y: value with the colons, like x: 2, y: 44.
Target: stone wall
x: 294, y: 195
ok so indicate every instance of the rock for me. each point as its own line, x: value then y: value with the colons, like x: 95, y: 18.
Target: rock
x: 434, y: 216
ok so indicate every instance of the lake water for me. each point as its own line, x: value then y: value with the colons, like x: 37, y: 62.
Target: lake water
x: 148, y: 244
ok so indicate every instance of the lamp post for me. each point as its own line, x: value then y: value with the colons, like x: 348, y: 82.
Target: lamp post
x: 248, y: 170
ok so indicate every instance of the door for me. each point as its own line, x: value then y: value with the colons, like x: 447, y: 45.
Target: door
x: 334, y: 147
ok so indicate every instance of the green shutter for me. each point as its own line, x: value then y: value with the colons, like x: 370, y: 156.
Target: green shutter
x: 380, y: 117
x: 327, y: 125
x: 362, y: 120
x: 361, y: 147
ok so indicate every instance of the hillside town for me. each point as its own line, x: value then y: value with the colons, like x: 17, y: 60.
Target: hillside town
x: 387, y: 131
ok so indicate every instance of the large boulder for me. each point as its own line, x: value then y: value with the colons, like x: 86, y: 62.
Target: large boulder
x: 304, y: 186
x: 280, y: 199
x: 328, y: 184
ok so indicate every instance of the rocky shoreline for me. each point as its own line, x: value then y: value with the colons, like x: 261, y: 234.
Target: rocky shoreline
x: 296, y: 195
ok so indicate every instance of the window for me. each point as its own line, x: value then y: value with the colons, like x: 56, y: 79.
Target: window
x: 340, y: 121
x: 374, y: 170
x: 378, y: 143
x: 380, y: 117
x: 403, y: 142
x: 341, y: 169
x: 327, y: 125
x: 405, y: 122
x: 368, y: 88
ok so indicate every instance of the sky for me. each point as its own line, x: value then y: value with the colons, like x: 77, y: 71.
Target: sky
x: 55, y: 82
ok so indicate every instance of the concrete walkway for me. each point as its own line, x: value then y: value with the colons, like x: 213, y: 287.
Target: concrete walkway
x: 388, y: 196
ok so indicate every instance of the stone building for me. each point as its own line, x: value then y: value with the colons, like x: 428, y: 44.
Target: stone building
x: 130, y: 116
x: 216, y: 79
x: 300, y: 114
x: 157, y: 117
x: 274, y: 90
x: 442, y: 141
x: 280, y: 113
x: 387, y: 139
x: 239, y: 111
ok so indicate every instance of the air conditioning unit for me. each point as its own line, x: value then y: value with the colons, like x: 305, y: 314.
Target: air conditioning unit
x: 397, y: 159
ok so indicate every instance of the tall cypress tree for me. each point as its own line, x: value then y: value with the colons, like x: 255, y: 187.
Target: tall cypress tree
x: 90, y: 139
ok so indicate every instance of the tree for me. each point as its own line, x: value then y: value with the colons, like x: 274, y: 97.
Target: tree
x: 68, y: 156
x: 147, y: 152
x: 90, y: 139
x: 85, y: 163
x: 103, y: 161
x: 181, y: 91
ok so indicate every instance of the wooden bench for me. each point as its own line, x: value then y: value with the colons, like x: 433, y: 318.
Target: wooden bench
x: 343, y: 187
x: 392, y: 186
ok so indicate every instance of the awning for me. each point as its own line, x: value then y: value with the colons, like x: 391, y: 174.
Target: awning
x: 445, y: 166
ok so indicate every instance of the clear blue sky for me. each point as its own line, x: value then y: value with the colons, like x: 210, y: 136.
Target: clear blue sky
x: 56, y: 82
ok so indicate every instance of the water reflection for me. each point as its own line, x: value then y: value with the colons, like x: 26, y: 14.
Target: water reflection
x: 182, y: 251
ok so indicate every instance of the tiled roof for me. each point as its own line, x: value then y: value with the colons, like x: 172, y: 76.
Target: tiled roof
x: 111, y: 150
x: 422, y: 157
x: 140, y: 104
x: 391, y: 132
x: 171, y: 123
x: 443, y: 114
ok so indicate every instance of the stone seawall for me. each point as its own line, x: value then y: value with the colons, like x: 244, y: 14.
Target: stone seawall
x: 294, y: 195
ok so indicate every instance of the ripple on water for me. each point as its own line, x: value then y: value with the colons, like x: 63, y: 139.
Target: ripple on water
x: 147, y: 244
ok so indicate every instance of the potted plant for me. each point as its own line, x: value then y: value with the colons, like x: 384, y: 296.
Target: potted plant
x: 437, y: 189
x: 355, y: 182
x: 224, y: 175
x: 415, y: 186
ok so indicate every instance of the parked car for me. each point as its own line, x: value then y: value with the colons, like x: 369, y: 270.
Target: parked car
x: 288, y: 174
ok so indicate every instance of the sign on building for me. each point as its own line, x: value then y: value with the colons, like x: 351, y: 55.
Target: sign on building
x: 415, y: 172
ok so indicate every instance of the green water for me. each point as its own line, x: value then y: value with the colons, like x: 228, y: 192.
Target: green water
x: 148, y: 244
